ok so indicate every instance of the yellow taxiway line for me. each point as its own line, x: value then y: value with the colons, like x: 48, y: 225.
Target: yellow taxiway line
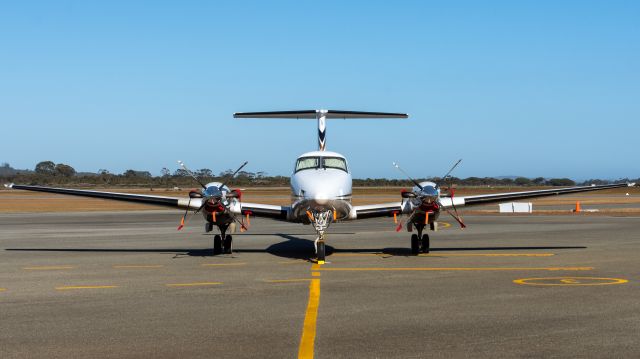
x: 462, y: 269
x: 72, y: 287
x: 193, y: 284
x: 308, y: 338
x: 3, y: 289
x: 570, y: 281
x: 48, y: 267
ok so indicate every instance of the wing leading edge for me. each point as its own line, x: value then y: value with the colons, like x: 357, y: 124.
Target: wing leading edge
x: 254, y: 209
x: 128, y: 197
x: 509, y: 196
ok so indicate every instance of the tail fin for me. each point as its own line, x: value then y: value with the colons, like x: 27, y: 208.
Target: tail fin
x: 321, y: 116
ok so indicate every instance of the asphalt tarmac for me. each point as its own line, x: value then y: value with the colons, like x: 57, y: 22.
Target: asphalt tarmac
x: 127, y: 284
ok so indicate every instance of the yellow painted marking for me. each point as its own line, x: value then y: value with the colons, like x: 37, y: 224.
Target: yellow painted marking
x: 3, y: 289
x: 315, y: 266
x: 288, y: 280
x: 48, y: 267
x: 315, y: 274
x: 222, y: 264
x: 192, y: 284
x: 463, y: 269
x: 570, y: 281
x: 138, y: 266
x: 444, y: 225
x: 72, y: 287
x: 320, y: 262
x: 309, y: 328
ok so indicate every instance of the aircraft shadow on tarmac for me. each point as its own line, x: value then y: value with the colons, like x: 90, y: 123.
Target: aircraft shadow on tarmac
x: 294, y: 247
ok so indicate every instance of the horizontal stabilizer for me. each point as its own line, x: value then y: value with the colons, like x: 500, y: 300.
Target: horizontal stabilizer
x: 314, y: 114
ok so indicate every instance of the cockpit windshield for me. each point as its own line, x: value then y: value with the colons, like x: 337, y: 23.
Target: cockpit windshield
x: 334, y: 162
x: 306, y: 163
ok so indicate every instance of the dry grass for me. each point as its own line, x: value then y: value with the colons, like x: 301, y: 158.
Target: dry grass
x: 26, y: 201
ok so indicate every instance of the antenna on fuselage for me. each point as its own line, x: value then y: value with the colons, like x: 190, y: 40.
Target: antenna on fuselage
x: 321, y: 116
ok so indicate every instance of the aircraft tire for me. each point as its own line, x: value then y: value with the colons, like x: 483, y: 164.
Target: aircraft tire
x: 321, y: 251
x: 425, y: 243
x: 415, y: 244
x: 217, y: 244
x: 228, y: 244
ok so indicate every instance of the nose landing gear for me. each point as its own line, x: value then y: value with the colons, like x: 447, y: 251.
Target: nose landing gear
x: 222, y: 243
x: 420, y: 242
x: 320, y: 221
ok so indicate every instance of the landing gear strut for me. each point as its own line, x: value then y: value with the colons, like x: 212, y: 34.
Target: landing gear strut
x: 320, y: 221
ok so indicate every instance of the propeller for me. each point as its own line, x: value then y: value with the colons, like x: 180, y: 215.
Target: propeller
x: 211, y: 195
x: 428, y: 192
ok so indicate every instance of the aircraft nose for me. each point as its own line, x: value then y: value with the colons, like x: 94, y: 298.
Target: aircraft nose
x: 323, y: 188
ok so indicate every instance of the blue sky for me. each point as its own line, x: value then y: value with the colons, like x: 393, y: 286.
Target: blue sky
x: 531, y: 88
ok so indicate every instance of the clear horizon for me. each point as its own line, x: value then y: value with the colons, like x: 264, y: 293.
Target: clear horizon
x: 532, y: 89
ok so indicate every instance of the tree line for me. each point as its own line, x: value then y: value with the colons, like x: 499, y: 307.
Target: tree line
x: 49, y: 173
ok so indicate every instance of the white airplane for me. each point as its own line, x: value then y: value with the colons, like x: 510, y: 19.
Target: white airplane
x: 321, y: 186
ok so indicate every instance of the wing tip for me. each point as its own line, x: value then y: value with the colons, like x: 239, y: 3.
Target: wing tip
x: 9, y: 185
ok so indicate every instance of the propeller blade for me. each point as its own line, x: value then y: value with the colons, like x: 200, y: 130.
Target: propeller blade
x: 406, y: 174
x: 448, y: 173
x: 185, y: 215
x: 456, y: 217
x: 191, y: 174
x: 233, y: 175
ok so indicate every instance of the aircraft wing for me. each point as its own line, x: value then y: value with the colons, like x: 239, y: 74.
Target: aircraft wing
x: 388, y: 209
x: 377, y: 210
x: 511, y: 196
x: 163, y: 201
x: 264, y: 210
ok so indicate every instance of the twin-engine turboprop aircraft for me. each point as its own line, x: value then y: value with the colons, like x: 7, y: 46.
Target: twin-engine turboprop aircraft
x: 321, y: 186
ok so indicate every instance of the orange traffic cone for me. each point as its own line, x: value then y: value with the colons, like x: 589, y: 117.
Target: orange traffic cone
x: 578, y: 209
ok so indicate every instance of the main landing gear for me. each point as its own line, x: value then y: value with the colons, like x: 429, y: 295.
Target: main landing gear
x: 222, y: 243
x: 420, y: 242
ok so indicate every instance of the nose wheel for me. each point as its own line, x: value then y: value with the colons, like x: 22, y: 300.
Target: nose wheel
x: 320, y: 252
x: 320, y: 221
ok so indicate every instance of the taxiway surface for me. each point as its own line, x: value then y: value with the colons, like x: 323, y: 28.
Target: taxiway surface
x: 127, y: 284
